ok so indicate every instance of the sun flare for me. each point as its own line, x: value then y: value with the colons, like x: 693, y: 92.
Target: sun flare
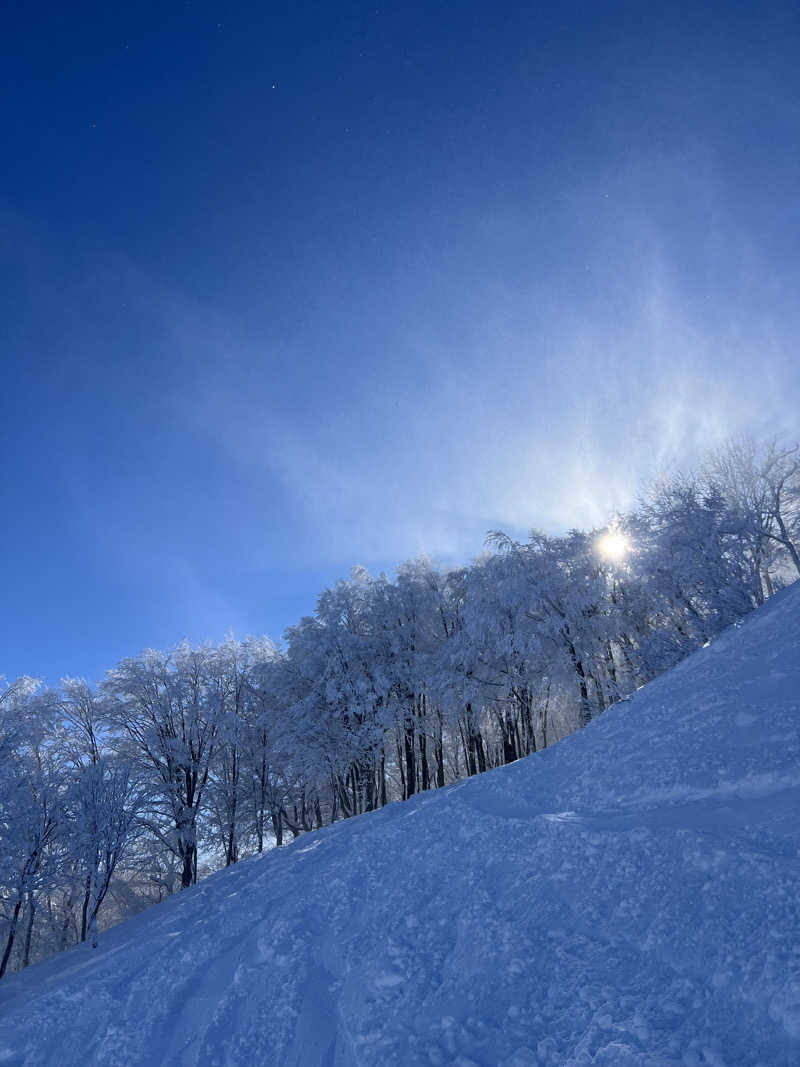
x: 613, y: 545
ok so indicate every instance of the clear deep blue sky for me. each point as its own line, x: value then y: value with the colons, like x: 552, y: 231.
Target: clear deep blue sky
x: 289, y: 287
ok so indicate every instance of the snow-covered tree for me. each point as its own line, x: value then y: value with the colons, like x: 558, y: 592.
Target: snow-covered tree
x: 31, y: 794
x: 761, y: 484
x: 168, y: 708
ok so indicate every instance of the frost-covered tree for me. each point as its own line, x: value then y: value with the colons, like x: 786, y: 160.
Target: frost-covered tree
x: 227, y: 686
x: 168, y: 708
x: 338, y: 676
x: 268, y: 743
x: 417, y: 619
x: 569, y: 611
x: 103, y: 802
x: 506, y: 670
x: 761, y: 483
x: 698, y: 557
x: 31, y: 794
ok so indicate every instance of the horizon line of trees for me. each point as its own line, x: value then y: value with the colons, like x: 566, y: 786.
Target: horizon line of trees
x: 114, y: 795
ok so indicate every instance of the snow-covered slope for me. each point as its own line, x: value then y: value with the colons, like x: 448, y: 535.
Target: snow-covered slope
x: 630, y: 896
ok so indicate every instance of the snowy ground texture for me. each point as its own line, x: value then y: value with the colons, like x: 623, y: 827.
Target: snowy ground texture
x: 630, y: 896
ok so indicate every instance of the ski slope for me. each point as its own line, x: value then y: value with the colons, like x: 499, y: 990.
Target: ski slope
x: 630, y: 896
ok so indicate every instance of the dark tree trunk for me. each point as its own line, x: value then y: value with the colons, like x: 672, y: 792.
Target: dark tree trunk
x: 87, y: 892
x: 12, y: 930
x: 787, y: 541
x: 401, y: 767
x: 26, y: 958
x: 354, y: 789
x: 465, y: 729
x: 411, y: 767
x: 62, y: 940
x: 231, y: 851
x: 523, y: 725
x: 277, y: 827
x: 232, y: 844
x: 508, y: 736
x: 382, y: 784
x: 423, y: 762
x: 480, y: 751
x: 344, y: 797
x: 545, y: 711
x: 189, y: 871
x: 585, y: 714
x: 439, y: 750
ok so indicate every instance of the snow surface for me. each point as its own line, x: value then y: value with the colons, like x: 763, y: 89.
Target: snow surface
x: 630, y: 896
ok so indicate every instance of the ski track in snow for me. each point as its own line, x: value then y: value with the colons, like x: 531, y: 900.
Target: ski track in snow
x: 628, y: 897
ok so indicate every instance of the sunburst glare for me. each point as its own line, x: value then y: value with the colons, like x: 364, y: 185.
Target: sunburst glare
x: 613, y: 545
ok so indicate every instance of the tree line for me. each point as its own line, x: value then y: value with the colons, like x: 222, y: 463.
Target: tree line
x: 115, y: 795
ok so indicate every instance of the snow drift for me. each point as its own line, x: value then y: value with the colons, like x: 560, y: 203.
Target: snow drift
x: 630, y: 896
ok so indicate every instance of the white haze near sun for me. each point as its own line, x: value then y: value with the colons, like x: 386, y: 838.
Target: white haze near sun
x: 522, y: 409
x: 613, y: 545
x: 451, y: 397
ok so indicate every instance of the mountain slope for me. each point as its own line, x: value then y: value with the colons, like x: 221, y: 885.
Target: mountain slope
x: 629, y: 896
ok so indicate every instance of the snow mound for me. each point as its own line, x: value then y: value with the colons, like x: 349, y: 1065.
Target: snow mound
x: 630, y: 896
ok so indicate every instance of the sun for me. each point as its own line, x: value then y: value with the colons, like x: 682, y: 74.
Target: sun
x: 613, y: 545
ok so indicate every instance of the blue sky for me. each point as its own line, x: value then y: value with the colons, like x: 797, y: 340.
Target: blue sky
x: 288, y: 288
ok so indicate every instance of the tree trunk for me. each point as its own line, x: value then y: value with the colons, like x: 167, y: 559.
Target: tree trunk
x: 12, y: 930
x: 26, y: 958
x: 439, y: 749
x: 585, y: 713
x: 411, y: 767
x: 382, y: 797
x: 87, y: 891
x: 423, y: 762
x: 787, y: 541
x: 545, y: 710
x: 480, y: 751
x: 62, y: 940
x: 465, y: 729
x: 189, y: 871
x: 277, y: 828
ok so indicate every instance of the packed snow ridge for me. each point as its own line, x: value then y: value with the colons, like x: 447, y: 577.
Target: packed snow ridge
x: 629, y: 896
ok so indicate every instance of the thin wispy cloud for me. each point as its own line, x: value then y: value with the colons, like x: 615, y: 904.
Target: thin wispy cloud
x: 557, y: 400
